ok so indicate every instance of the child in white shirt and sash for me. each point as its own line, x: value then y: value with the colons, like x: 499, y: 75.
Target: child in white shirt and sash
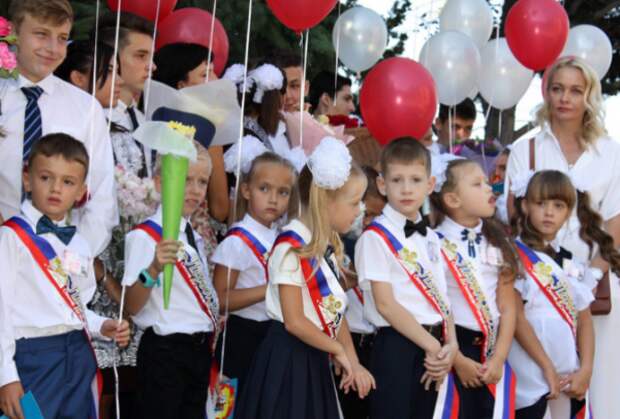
x: 400, y: 271
x: 481, y: 265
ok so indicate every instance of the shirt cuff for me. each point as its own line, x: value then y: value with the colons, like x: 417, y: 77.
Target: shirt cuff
x: 8, y: 374
x: 95, y: 322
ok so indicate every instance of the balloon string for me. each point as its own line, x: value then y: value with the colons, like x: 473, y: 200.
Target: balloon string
x: 303, y: 91
x: 115, y: 64
x: 499, y: 126
x: 150, y: 76
x: 451, y: 134
x: 337, y: 55
x: 488, y: 112
x: 93, y: 99
x: 209, y: 63
x: 114, y: 366
x: 238, y: 177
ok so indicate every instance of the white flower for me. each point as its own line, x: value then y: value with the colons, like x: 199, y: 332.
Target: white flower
x: 267, y: 77
x: 251, y: 148
x: 518, y: 184
x: 330, y: 163
x: 439, y: 165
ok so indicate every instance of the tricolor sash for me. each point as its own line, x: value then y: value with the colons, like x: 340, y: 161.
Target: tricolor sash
x: 198, y: 288
x: 554, y: 288
x: 421, y: 278
x: 323, y: 299
x: 254, y: 244
x: 45, y: 256
x: 465, y: 276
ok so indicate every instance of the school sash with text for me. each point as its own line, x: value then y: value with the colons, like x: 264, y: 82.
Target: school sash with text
x: 253, y: 244
x: 50, y: 264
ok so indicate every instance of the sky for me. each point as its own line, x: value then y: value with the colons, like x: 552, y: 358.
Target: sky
x: 532, y: 98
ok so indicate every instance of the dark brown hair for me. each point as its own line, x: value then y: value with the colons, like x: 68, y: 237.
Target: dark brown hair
x: 553, y: 184
x: 56, y: 12
x: 129, y: 23
x: 268, y: 111
x: 59, y: 144
x: 492, y: 229
x: 372, y: 190
x: 405, y: 150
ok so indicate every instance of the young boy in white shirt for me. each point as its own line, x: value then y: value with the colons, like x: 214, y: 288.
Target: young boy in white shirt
x: 47, y: 279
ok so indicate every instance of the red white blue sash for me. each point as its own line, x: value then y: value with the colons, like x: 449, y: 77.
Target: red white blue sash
x: 586, y: 411
x: 422, y: 279
x: 45, y: 256
x: 322, y: 297
x: 198, y: 290
x: 554, y: 288
x: 254, y: 244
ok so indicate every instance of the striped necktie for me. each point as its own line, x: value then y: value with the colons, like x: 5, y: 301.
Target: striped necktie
x: 32, y: 119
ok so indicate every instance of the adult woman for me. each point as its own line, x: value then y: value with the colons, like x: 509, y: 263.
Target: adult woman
x: 574, y: 141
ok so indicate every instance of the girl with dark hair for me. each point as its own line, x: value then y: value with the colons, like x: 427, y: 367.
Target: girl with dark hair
x: 182, y: 65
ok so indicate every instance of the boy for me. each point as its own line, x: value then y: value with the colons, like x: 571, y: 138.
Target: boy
x: 461, y: 123
x: 174, y: 356
x: 38, y: 103
x: 322, y: 99
x: 291, y: 64
x: 48, y: 277
x: 400, y: 271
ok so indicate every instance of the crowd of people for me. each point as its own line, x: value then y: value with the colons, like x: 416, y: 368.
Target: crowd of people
x: 454, y: 279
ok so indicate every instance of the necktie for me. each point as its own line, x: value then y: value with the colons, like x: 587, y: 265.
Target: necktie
x: 189, y: 232
x: 328, y: 258
x: 472, y: 238
x: 32, y: 119
x: 561, y: 255
x: 411, y: 227
x: 64, y: 234
x: 143, y: 172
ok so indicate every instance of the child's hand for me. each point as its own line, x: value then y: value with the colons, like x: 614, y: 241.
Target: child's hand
x: 363, y: 381
x: 10, y: 395
x: 439, y: 364
x: 491, y: 371
x: 553, y: 381
x: 119, y: 332
x: 576, y: 384
x: 468, y: 371
x: 165, y: 252
x: 343, y: 368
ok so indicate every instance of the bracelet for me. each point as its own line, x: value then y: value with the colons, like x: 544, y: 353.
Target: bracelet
x: 147, y: 280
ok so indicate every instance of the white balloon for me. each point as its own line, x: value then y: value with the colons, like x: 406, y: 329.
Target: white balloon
x: 472, y: 17
x: 453, y: 60
x: 360, y: 36
x: 502, y: 80
x: 592, y: 45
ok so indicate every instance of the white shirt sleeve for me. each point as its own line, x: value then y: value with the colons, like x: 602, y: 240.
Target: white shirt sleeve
x: 10, y: 258
x: 518, y: 161
x: 285, y: 267
x: 610, y: 206
x: 95, y: 323
x: 371, y: 259
x: 139, y: 252
x: 233, y: 253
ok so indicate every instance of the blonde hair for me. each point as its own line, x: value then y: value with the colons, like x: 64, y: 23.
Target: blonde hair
x: 202, y: 154
x: 56, y: 12
x: 593, y: 125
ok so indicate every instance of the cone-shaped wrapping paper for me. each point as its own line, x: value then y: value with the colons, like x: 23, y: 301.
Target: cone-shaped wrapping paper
x: 173, y: 176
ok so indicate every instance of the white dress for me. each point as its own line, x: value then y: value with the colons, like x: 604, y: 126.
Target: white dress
x: 598, y: 171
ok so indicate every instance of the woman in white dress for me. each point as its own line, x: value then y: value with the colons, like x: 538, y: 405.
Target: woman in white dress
x: 573, y: 140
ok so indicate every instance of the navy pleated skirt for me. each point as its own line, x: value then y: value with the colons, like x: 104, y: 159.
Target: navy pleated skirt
x: 288, y: 379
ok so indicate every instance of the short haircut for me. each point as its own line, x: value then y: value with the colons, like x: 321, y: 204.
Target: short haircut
x: 284, y: 58
x: 174, y: 61
x: 464, y: 110
x: 56, y: 12
x: 372, y: 190
x: 129, y: 23
x: 60, y: 144
x: 405, y: 150
x: 324, y: 83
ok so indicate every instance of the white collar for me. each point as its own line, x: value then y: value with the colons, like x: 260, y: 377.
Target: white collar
x: 48, y: 84
x: 258, y: 227
x: 454, y: 230
x: 158, y: 217
x: 398, y: 219
x: 34, y: 215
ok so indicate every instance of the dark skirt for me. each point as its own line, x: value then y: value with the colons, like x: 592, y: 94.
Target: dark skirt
x: 352, y: 406
x: 288, y: 379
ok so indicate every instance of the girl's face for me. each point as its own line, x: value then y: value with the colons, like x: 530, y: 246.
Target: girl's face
x: 473, y: 195
x: 268, y: 192
x: 566, y: 95
x: 546, y: 216
x: 102, y: 92
x: 344, y: 207
x: 198, y: 76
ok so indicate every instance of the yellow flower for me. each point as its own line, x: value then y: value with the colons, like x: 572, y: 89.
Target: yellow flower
x: 186, y: 130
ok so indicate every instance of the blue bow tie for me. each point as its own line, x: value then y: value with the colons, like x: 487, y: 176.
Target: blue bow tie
x: 64, y: 234
x: 472, y: 238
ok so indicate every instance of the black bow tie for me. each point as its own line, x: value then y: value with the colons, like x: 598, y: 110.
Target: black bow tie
x: 64, y: 234
x: 561, y: 255
x: 472, y: 238
x: 411, y: 227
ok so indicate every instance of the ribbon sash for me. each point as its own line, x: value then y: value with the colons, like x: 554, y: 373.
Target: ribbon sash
x: 253, y: 244
x: 321, y: 295
x: 358, y: 293
x: 555, y: 289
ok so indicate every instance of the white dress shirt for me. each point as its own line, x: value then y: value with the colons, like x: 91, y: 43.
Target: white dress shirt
x: 355, y: 313
x: 67, y: 109
x: 552, y: 331
x: 184, y: 314
x: 285, y: 269
x: 485, y: 265
x: 374, y: 261
x: 30, y: 306
x: 235, y: 254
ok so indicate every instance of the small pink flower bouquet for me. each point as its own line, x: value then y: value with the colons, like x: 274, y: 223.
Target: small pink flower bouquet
x: 137, y: 198
x: 8, y: 60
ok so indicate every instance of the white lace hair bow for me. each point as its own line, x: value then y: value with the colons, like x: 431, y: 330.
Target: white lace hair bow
x: 439, y: 165
x: 251, y: 148
x: 266, y: 77
x: 235, y: 74
x: 330, y: 163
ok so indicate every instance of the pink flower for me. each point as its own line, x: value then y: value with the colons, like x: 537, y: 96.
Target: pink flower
x: 5, y: 27
x: 7, y: 57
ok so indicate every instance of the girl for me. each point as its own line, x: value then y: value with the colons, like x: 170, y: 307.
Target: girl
x: 241, y: 259
x: 481, y: 265
x: 290, y: 375
x: 554, y: 346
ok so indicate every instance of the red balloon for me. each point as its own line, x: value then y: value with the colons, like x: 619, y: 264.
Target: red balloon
x: 398, y: 99
x: 300, y: 15
x: 193, y: 26
x: 145, y: 8
x: 536, y: 31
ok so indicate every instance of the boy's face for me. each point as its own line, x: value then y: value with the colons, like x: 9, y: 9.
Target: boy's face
x: 344, y: 104
x: 42, y: 47
x: 461, y: 129
x: 135, y: 59
x: 406, y: 186
x: 55, y: 184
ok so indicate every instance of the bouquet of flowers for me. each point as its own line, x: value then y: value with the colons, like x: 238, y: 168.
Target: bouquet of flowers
x: 8, y: 60
x: 137, y: 198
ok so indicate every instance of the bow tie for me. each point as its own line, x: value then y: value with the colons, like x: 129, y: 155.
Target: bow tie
x: 411, y: 227
x: 472, y: 238
x: 64, y: 234
x: 561, y: 255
